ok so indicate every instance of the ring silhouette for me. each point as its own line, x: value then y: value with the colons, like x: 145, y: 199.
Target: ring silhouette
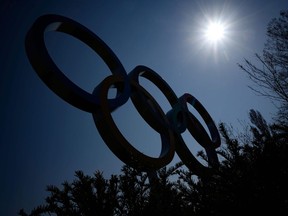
x: 170, y: 126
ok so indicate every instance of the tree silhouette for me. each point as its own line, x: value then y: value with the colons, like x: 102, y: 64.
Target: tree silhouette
x: 271, y: 78
x: 252, y: 178
x: 129, y: 193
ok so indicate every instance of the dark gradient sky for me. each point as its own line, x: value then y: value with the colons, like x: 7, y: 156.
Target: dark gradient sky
x: 43, y: 139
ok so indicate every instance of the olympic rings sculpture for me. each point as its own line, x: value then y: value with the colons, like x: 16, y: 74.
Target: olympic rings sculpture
x: 170, y: 126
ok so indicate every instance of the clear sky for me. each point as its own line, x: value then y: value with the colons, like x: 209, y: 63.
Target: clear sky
x: 44, y: 140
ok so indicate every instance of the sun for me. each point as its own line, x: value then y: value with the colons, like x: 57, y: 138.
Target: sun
x: 214, y: 32
x: 214, y: 36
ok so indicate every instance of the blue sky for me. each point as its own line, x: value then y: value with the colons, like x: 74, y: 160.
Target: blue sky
x: 44, y: 139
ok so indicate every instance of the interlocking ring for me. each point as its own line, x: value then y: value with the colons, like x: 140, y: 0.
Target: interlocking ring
x: 170, y: 126
x: 52, y: 75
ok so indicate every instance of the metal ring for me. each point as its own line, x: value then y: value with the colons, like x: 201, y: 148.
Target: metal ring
x: 199, y: 133
x: 188, y: 120
x: 52, y: 76
x: 195, y: 126
x: 163, y: 86
x: 118, y: 143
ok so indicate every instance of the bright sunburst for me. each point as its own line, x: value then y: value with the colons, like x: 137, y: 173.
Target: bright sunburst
x: 214, y: 32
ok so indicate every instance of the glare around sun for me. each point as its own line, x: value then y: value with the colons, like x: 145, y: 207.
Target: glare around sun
x: 214, y: 32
